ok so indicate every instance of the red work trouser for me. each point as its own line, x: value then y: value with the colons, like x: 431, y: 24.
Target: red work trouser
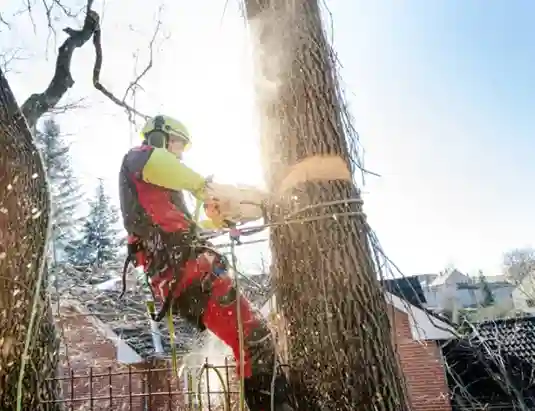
x: 222, y: 320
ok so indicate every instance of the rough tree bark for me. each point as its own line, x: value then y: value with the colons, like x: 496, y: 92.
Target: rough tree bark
x: 338, y: 333
x: 24, y: 216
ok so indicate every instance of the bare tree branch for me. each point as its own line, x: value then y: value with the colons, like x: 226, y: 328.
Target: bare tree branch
x: 100, y: 87
x: 8, y: 57
x: 72, y: 105
x: 49, y: 7
x: 131, y: 111
x: 39, y: 103
x: 28, y: 9
x: 4, y: 22
x: 135, y: 84
x: 57, y: 4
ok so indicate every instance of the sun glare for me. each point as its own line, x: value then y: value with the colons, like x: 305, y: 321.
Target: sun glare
x: 221, y: 113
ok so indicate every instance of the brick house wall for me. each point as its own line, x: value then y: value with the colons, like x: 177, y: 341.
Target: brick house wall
x: 422, y: 365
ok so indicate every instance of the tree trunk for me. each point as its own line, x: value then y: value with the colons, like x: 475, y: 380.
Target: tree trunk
x: 338, y: 332
x: 24, y: 215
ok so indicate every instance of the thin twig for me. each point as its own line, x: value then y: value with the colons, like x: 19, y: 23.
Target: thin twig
x: 100, y: 87
x: 134, y: 84
x: 131, y: 111
x: 8, y: 57
x: 4, y: 22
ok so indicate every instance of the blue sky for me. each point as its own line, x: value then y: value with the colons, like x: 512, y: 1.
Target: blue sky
x: 440, y: 92
x: 442, y: 107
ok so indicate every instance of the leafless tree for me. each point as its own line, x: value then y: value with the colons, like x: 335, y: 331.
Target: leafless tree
x: 29, y: 355
x: 339, y: 337
x: 519, y: 263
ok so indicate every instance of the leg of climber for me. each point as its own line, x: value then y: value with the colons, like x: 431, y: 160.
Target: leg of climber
x: 207, y: 297
x: 261, y: 374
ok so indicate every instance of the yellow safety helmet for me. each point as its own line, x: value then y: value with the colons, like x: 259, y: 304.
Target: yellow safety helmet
x: 160, y: 129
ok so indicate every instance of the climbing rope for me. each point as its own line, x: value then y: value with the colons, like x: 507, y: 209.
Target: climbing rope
x: 289, y: 221
x: 171, y: 328
x: 234, y: 261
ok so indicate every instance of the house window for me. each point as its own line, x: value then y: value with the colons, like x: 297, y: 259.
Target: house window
x: 530, y: 303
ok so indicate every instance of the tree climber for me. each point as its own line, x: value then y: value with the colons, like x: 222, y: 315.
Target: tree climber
x: 183, y: 271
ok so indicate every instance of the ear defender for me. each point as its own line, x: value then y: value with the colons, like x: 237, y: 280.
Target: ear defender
x: 157, y: 137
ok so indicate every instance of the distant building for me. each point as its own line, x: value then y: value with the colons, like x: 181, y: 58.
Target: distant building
x: 453, y: 290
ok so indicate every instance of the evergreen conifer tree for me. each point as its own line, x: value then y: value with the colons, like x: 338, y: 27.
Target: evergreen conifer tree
x: 100, y: 236
x: 64, y: 187
x: 488, y: 296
